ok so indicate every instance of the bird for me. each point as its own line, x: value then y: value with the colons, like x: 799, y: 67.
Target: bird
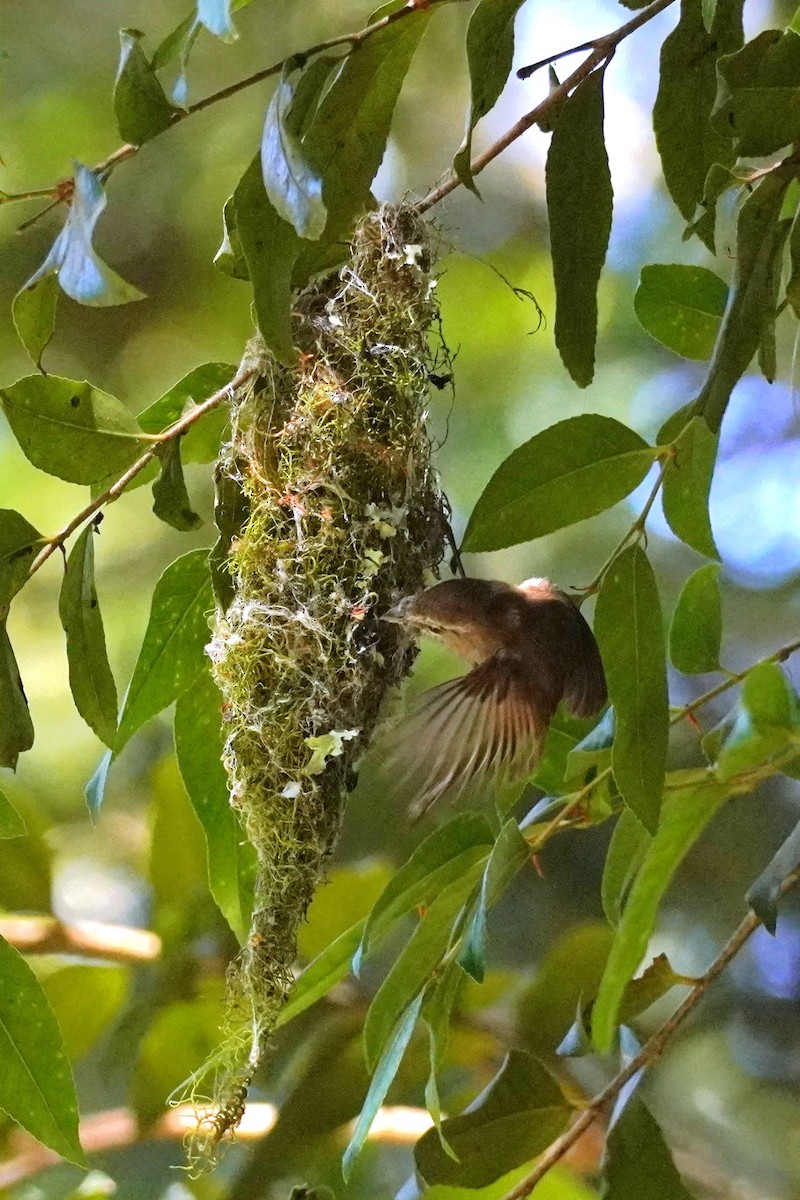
x: 530, y: 649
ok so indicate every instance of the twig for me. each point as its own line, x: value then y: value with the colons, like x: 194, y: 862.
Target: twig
x: 111, y: 493
x: 604, y: 48
x: 89, y: 939
x: 63, y: 189
x: 652, y: 1049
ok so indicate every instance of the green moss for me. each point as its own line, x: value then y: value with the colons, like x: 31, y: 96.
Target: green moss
x: 344, y: 518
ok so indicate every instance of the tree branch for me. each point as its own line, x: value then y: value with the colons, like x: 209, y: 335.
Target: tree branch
x: 652, y: 1050
x: 89, y: 939
x: 111, y: 493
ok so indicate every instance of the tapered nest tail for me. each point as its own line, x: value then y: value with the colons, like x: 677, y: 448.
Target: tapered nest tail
x: 331, y: 513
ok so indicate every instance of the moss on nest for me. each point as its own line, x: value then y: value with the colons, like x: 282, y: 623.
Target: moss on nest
x: 333, y: 461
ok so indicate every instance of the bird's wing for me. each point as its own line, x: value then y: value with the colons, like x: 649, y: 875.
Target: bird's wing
x: 585, y: 682
x: 487, y: 724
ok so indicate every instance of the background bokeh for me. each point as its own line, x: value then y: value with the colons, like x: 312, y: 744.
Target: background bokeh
x: 728, y: 1092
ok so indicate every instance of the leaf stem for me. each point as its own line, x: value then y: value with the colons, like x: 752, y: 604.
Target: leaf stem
x: 651, y: 1050
x: 176, y: 430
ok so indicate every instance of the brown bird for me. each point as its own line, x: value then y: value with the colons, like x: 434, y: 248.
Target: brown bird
x: 532, y: 650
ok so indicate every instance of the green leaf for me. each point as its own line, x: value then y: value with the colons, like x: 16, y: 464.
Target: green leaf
x: 34, y: 313
x: 490, y: 52
x: 767, y: 348
x: 571, y: 471
x: 171, y: 502
x: 758, y: 98
x: 199, y: 747
x: 764, y: 894
x: 439, y: 1001
x: 765, y: 725
x: 347, y: 137
x: 230, y: 258
x: 142, y: 109
x: 509, y: 854
x: 579, y: 207
x: 518, y: 1115
x: 84, y: 1000
x: 16, y: 727
x: 11, y: 823
x: 688, y: 143
x: 793, y: 284
x: 270, y: 247
x: 181, y: 1036
x: 628, y: 627
x: 681, y: 307
x: 654, y: 982
x: 594, y: 751
x: 19, y: 543
x: 695, y: 634
x: 90, y: 678
x: 759, y: 238
x: 172, y: 654
x: 624, y: 857
x: 440, y: 859
x: 70, y: 429
x: 81, y: 274
x: 201, y: 442
x: 36, y: 1088
x: 413, y: 967
x: 688, y: 474
x: 382, y: 1078
x: 322, y: 974
x: 637, y: 1161
x: 293, y: 185
x: 684, y: 818
x: 349, y: 893
x: 718, y: 180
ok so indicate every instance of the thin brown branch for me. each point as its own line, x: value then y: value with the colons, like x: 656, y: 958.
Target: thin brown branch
x: 89, y: 939
x: 111, y: 493
x: 652, y: 1050
x: 603, y: 51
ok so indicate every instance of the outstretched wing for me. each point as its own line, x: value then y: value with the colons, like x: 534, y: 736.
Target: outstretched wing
x: 585, y: 690
x: 489, y: 724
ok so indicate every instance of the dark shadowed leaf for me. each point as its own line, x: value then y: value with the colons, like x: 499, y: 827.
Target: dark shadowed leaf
x: 16, y: 727
x: 509, y: 854
x: 695, y: 635
x: 178, y: 45
x: 687, y: 142
x: 763, y: 896
x: 626, y: 850
x: 685, y: 816
x: 142, y: 109
x: 11, y: 823
x: 637, y: 1161
x: 199, y: 746
x: 231, y: 511
x: 230, y: 257
x: 382, y: 1078
x: 681, y: 307
x: 19, y: 543
x: 687, y: 484
x: 569, y: 472
x: 767, y: 348
x: 490, y: 52
x: 90, y: 677
x: 84, y: 1000
x: 793, y: 284
x: 718, y: 180
x: 514, y: 1119
x: 36, y: 1088
x: 172, y: 654
x: 579, y: 207
x: 758, y: 101
x: 34, y: 313
x: 81, y: 274
x: 70, y: 429
x: 171, y: 502
x: 628, y: 627
x: 292, y: 183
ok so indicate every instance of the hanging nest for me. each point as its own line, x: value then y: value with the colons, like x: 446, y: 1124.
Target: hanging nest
x: 330, y: 513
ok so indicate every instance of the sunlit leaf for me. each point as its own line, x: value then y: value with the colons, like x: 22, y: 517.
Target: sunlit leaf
x: 36, y: 1087
x: 628, y: 627
x: 687, y: 141
x: 70, y: 429
x: 34, y: 313
x: 172, y: 654
x: 682, y: 307
x: 85, y: 998
x: 490, y: 52
x: 579, y: 208
x: 293, y: 185
x: 569, y: 472
x: 683, y: 819
x: 199, y: 745
x: 350, y: 892
x: 90, y: 678
x: 16, y: 727
x: 19, y: 543
x: 695, y: 634
x: 142, y: 109
x: 81, y: 274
